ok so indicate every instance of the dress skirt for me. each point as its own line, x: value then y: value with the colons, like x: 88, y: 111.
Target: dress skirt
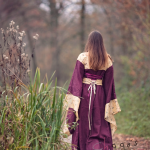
x: 99, y: 137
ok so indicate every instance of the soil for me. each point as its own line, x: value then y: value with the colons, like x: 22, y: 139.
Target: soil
x: 125, y: 142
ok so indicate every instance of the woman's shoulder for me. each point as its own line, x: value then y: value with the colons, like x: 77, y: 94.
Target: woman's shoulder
x: 109, y: 61
x: 81, y: 57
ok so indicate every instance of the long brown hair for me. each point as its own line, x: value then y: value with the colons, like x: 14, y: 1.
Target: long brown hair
x: 98, y: 56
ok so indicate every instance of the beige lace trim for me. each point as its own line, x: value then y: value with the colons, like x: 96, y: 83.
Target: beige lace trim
x: 83, y: 58
x: 111, y: 109
x: 70, y: 101
x: 66, y: 130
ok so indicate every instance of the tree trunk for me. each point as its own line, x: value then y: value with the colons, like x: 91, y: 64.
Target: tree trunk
x: 82, y: 23
x: 54, y: 16
x: 110, y: 31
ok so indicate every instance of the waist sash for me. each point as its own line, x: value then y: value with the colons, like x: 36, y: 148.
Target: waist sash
x: 91, y: 86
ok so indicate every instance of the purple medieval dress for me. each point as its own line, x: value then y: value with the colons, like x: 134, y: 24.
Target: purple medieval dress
x: 92, y: 106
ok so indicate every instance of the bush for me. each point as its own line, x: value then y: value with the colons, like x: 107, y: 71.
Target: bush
x: 31, y: 113
x: 34, y: 118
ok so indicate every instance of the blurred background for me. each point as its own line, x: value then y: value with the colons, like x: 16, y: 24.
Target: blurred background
x: 63, y: 27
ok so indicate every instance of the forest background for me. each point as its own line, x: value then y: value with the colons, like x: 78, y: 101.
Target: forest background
x: 63, y: 27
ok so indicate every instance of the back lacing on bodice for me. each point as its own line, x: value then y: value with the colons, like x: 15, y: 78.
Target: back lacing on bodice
x: 92, y: 80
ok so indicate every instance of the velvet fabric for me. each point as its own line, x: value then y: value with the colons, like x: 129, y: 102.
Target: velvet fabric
x: 99, y: 137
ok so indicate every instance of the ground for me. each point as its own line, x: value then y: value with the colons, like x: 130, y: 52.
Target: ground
x: 126, y: 142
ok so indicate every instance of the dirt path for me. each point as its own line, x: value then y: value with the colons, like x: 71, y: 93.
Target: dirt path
x: 130, y: 142
x: 125, y: 142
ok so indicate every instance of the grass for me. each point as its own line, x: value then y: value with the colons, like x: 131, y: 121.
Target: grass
x: 33, y: 118
x: 134, y: 118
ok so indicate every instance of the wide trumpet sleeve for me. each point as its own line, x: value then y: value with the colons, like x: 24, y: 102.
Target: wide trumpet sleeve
x: 112, y: 106
x: 73, y: 97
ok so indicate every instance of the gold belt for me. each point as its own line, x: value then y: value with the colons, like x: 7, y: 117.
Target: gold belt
x: 92, y: 85
x: 89, y: 81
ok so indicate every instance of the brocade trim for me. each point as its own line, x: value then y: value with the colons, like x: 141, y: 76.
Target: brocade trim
x: 72, y: 102
x: 66, y: 130
x: 82, y: 57
x: 109, y: 63
x: 111, y: 109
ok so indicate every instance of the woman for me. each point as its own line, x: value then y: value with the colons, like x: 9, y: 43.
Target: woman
x: 91, y: 99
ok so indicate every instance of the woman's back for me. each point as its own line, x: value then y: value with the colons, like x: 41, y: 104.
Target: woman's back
x: 91, y: 95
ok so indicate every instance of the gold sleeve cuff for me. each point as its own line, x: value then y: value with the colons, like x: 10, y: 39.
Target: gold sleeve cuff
x: 72, y: 101
x: 66, y: 130
x: 111, y: 109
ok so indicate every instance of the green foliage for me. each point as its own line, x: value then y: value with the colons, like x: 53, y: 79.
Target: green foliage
x: 134, y: 118
x: 33, y: 118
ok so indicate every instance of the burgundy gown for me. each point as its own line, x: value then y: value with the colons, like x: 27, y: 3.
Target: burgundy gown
x: 103, y: 107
